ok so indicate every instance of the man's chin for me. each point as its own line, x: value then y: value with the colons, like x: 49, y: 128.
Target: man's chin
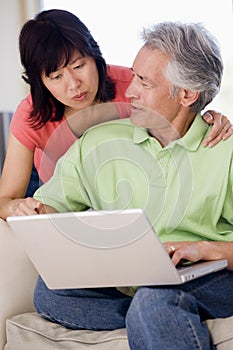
x: 137, y: 120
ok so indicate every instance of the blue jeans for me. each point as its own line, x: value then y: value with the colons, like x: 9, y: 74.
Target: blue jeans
x: 34, y: 183
x: 97, y: 309
x: 164, y: 318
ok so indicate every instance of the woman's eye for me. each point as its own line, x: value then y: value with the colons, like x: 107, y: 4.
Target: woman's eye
x: 57, y: 77
x: 79, y: 66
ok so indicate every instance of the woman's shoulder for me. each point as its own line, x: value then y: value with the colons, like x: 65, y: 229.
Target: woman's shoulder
x: 119, y: 73
x: 22, y: 113
x: 122, y: 77
x: 22, y: 128
x: 23, y: 110
x: 25, y: 104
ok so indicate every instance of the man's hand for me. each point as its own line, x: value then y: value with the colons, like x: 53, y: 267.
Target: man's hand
x: 184, y: 251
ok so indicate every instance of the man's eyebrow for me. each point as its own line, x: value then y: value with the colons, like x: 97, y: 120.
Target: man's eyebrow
x: 138, y: 75
x: 145, y: 79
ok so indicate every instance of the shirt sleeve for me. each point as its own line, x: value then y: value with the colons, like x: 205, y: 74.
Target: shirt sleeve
x: 65, y: 190
x: 21, y: 127
x: 227, y: 209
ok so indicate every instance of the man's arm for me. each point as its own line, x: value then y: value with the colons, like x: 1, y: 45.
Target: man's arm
x: 45, y: 209
x: 64, y: 191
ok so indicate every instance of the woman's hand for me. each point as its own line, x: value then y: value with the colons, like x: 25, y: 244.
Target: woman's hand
x: 222, y: 128
x: 25, y: 206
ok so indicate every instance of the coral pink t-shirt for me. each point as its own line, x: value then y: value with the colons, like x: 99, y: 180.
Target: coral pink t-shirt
x: 48, y: 146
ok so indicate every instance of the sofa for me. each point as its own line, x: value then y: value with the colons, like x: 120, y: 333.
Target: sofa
x: 22, y: 329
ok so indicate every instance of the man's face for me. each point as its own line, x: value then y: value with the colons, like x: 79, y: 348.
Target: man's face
x: 149, y: 91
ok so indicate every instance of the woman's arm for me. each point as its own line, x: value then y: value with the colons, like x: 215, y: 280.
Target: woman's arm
x: 15, y: 179
x: 201, y: 250
x: 80, y: 121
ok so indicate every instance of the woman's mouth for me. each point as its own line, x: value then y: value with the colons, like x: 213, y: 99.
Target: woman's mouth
x: 80, y: 97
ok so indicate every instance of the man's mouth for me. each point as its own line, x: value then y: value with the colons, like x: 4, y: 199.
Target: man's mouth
x: 136, y: 108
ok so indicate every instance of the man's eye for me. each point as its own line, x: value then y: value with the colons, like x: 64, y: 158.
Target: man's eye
x: 146, y: 85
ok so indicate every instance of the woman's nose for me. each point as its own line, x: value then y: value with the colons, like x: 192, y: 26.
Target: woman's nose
x: 73, y: 80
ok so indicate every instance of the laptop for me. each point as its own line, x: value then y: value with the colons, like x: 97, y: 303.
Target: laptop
x: 101, y: 249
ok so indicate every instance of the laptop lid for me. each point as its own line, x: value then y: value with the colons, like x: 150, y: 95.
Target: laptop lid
x: 100, y: 249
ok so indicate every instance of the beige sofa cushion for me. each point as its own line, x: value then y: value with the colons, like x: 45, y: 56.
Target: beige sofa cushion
x: 221, y: 330
x: 29, y: 331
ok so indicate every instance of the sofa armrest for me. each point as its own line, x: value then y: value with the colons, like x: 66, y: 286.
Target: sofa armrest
x: 17, y: 279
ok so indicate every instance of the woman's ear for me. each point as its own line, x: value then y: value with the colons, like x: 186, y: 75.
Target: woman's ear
x: 188, y: 97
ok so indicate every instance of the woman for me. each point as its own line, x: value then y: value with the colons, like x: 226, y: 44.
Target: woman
x: 67, y: 74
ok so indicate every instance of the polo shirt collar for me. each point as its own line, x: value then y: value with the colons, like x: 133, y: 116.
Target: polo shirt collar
x: 191, y: 140
x: 140, y: 135
x: 194, y: 137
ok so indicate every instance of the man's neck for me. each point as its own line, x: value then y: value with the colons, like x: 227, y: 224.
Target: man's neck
x: 173, y: 130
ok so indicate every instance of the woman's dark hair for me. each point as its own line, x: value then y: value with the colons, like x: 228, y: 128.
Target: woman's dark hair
x: 47, y: 42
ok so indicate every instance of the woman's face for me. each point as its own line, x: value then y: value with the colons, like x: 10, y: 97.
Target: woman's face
x: 74, y: 85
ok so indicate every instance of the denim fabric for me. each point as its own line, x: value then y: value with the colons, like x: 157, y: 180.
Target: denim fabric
x: 97, y: 309
x: 170, y: 317
x: 34, y: 183
x: 166, y: 317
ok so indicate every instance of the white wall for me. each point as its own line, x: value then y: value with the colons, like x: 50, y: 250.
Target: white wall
x: 116, y: 25
x: 13, y: 13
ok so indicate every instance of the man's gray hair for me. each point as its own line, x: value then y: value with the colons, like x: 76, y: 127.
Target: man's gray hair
x: 195, y: 59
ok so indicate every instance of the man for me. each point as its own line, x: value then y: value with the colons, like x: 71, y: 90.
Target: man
x: 155, y: 161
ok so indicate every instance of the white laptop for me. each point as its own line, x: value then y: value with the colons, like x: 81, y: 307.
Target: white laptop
x: 101, y: 249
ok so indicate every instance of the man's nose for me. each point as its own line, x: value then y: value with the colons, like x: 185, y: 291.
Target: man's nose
x: 132, y: 91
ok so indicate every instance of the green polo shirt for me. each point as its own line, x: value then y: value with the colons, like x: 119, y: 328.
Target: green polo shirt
x: 185, y: 189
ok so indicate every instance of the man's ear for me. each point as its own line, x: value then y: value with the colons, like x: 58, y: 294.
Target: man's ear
x: 188, y: 97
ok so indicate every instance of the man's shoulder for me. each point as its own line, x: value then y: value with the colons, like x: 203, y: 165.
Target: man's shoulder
x: 219, y: 156
x: 224, y: 145
x: 107, y: 135
x: 108, y: 129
